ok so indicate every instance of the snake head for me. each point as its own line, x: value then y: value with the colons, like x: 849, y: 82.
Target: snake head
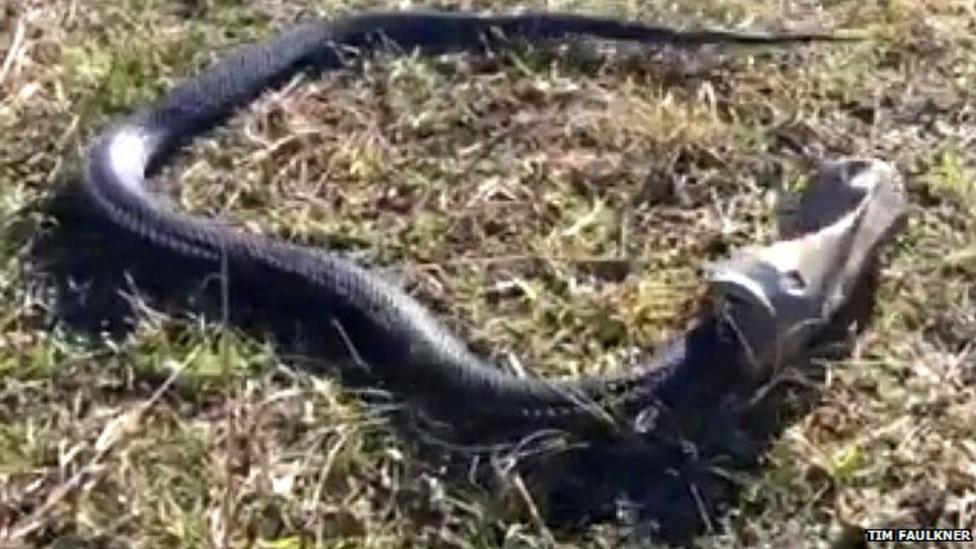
x: 779, y: 298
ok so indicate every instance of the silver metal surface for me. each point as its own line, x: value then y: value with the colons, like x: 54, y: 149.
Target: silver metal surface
x: 779, y: 296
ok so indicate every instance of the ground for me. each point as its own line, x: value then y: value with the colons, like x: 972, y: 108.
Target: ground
x: 553, y: 209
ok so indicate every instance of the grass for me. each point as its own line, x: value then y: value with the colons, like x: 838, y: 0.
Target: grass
x: 550, y: 210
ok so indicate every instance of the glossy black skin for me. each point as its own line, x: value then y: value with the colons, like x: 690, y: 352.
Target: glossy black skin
x: 402, y: 345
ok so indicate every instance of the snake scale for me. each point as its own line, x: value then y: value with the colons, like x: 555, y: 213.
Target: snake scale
x: 403, y: 345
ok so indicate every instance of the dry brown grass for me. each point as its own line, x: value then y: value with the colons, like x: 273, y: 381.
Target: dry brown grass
x: 550, y: 212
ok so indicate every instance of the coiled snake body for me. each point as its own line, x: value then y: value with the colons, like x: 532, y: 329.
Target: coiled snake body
x: 402, y: 344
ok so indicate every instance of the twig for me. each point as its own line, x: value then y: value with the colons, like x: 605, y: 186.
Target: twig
x: 111, y: 434
x: 15, y: 47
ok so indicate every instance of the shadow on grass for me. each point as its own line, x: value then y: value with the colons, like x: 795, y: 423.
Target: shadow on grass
x: 669, y: 486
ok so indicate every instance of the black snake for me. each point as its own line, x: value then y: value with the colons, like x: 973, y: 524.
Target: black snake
x: 397, y: 338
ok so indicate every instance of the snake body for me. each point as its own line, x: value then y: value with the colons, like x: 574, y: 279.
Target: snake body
x: 400, y: 341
